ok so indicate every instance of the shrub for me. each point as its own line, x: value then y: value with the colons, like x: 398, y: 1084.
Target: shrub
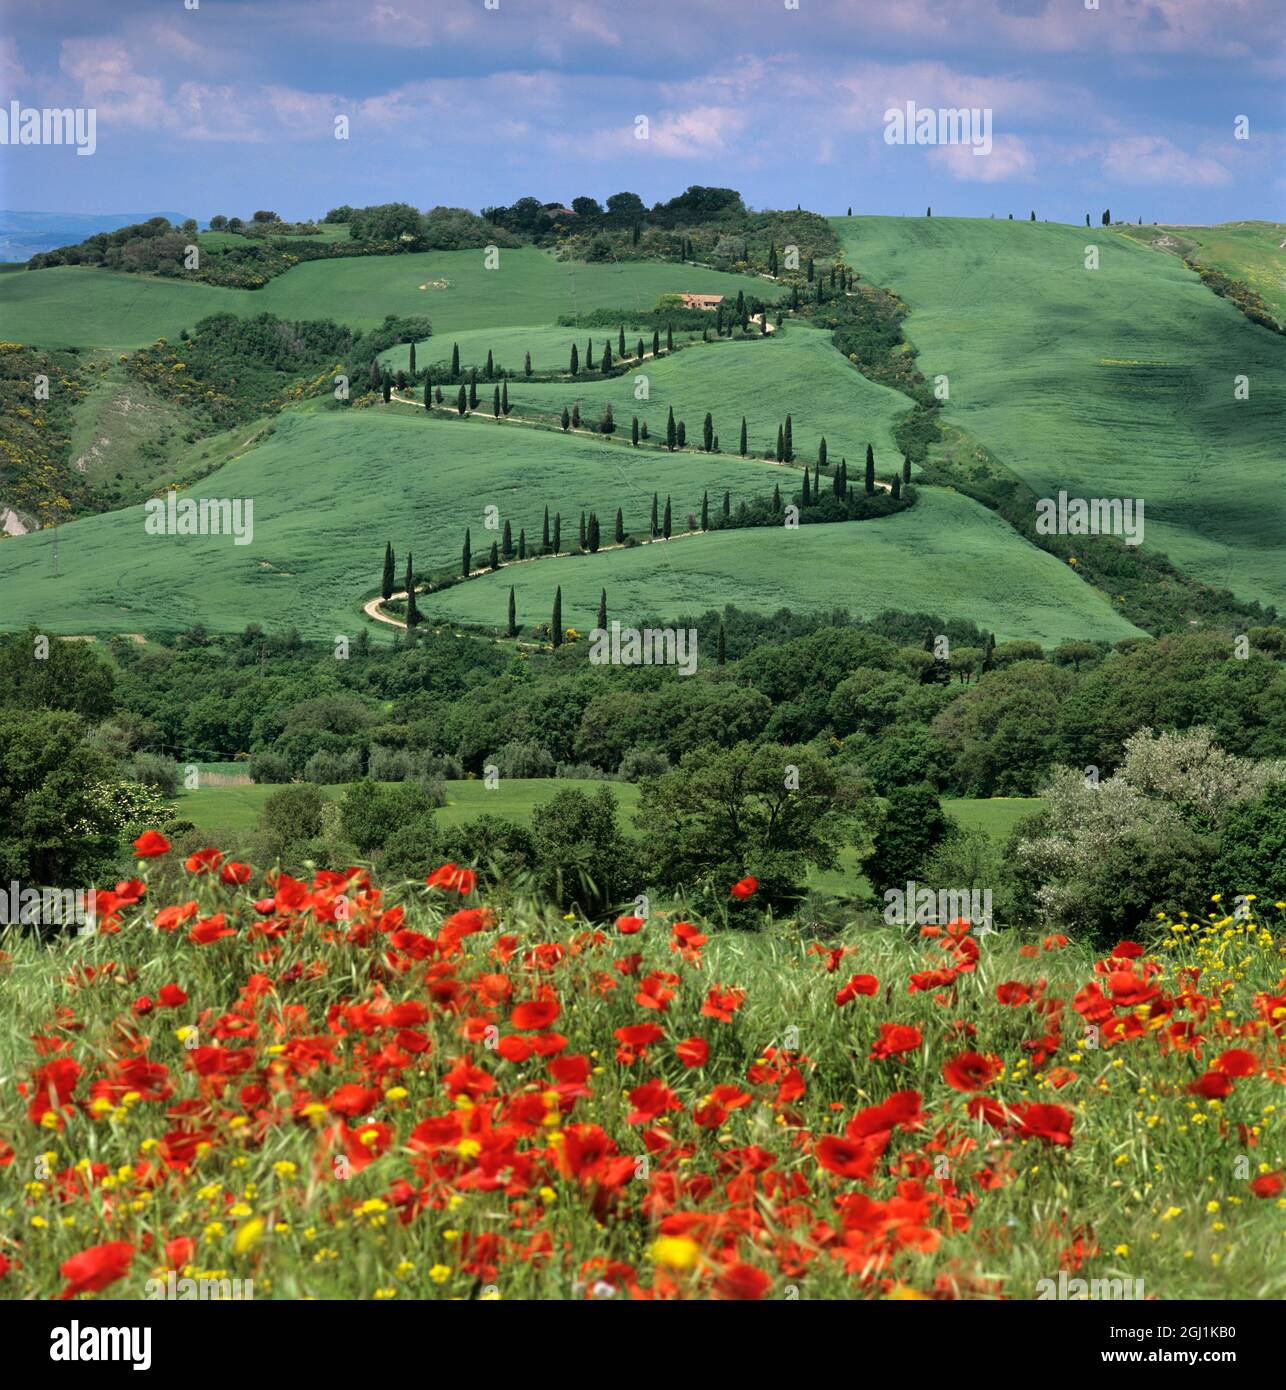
x: 268, y: 767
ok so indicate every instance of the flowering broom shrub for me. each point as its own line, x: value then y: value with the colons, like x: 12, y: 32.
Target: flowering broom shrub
x: 293, y: 1083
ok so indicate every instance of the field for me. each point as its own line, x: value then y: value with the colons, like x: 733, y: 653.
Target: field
x: 340, y: 1102
x: 947, y: 555
x: 550, y: 348
x: 1248, y: 251
x: 1116, y: 382
x: 797, y: 372
x: 75, y: 306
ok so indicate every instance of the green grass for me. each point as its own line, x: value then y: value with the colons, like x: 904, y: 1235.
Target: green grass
x: 797, y: 372
x: 86, y: 307
x: 1248, y: 251
x: 947, y: 555
x: 1109, y: 383
x: 329, y: 488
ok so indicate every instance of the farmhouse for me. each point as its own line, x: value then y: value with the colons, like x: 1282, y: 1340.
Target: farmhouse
x: 709, y: 302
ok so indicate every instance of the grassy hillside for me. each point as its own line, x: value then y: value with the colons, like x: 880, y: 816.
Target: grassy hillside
x: 1110, y: 383
x: 329, y: 488
x: 550, y: 347
x: 74, y: 306
x: 799, y: 373
x: 947, y: 555
x: 1252, y: 252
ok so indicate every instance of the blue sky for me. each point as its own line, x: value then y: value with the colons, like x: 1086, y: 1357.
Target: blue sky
x: 229, y: 107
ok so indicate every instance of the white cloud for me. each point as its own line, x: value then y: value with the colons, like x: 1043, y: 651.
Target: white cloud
x: 1154, y: 159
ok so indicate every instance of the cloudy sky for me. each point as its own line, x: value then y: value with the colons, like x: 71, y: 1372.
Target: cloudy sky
x: 231, y: 105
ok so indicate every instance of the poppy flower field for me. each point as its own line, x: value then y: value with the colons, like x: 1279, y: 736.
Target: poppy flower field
x: 303, y: 1084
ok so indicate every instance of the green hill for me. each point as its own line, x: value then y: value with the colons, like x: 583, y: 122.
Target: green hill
x: 1252, y: 252
x: 74, y: 306
x: 948, y: 555
x: 1109, y: 383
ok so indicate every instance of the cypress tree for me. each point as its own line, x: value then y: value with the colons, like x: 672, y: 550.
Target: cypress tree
x: 522, y: 544
x: 388, y: 389
x: 721, y: 650
x: 669, y: 337
x: 781, y: 445
x: 594, y: 533
x: 495, y: 403
x: 707, y: 433
x: 494, y: 558
x: 602, y: 610
x: 526, y: 365
x: 512, y: 627
x: 582, y: 531
x: 386, y: 585
x: 656, y: 525
x: 455, y: 361
x: 807, y: 498
x: 620, y: 341
x: 671, y: 435
x: 507, y: 545
x: 656, y: 341
x: 491, y: 366
x: 412, y: 612
x: 567, y: 419
x: 681, y: 435
x: 718, y: 320
x: 574, y: 366
x: 742, y: 447
x: 620, y: 527
x: 428, y: 393
x: 607, y: 358
x: 504, y: 398
x: 810, y: 270
x: 556, y: 626
x: 466, y: 558
x: 544, y: 535
x: 790, y: 442
x: 412, y: 371
x: 462, y: 401
x: 906, y: 469
x: 817, y: 481
x: 843, y: 473
x: 558, y: 532
x: 473, y: 388
x: 896, y: 489
x: 634, y: 430
x: 640, y: 350
x: 665, y: 525
x: 776, y: 497
x: 870, y: 470
x: 576, y: 416
x: 589, y: 355
x: 705, y: 511
x: 821, y: 453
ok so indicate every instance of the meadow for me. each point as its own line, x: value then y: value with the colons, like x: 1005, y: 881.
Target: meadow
x: 83, y: 307
x: 1248, y: 251
x: 480, y: 1100
x: 795, y: 372
x: 1110, y: 382
x: 947, y: 555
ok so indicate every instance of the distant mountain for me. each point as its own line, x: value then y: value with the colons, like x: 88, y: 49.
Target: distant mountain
x: 22, y: 234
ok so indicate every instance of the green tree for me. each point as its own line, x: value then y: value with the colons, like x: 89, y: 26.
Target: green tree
x: 913, y: 827
x: 466, y: 558
x: 512, y: 626
x: 42, y: 672
x: 870, y: 470
x: 556, y: 625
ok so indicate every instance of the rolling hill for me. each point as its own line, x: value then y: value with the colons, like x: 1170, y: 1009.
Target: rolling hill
x: 1110, y: 383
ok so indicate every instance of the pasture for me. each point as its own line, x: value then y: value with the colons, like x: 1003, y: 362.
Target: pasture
x: 1115, y: 382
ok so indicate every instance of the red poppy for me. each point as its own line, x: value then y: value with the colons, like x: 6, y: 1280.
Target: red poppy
x: 149, y: 845
x: 971, y: 1071
x: 859, y: 985
x: 1268, y: 1184
x: 742, y: 1281
x: 628, y: 926
x: 1213, y: 1085
x: 97, y: 1267
x: 535, y: 1014
x: 179, y: 1251
x: 650, y: 1101
x: 202, y: 861
x: 232, y: 872
x: 745, y: 888
x: 1236, y: 1061
x: 895, y: 1038
x: 1013, y: 993
x: 452, y: 879
x: 1050, y: 1123
x: 693, y: 1052
x: 852, y: 1158
x: 722, y: 1003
